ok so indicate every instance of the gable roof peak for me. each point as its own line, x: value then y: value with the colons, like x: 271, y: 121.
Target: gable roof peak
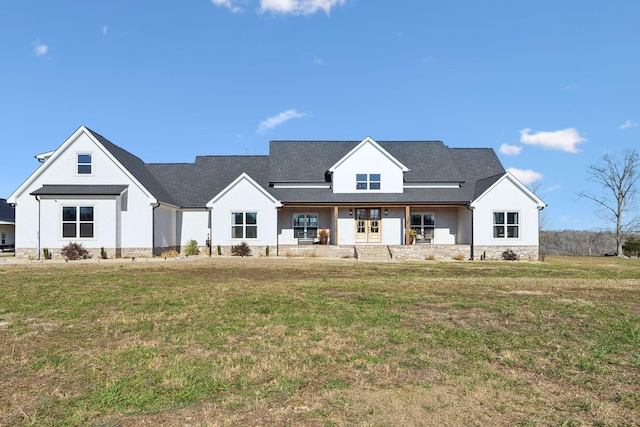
x: 369, y: 141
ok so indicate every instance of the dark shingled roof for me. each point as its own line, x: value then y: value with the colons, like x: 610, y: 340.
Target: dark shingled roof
x: 80, y: 190
x: 7, y: 212
x: 192, y: 185
x: 137, y: 168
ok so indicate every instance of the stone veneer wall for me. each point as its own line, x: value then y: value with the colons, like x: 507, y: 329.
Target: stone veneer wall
x: 329, y: 251
x: 531, y: 253
x: 400, y: 252
x: 433, y: 252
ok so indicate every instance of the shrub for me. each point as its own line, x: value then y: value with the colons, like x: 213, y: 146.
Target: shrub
x: 242, y: 250
x: 459, y: 256
x: 103, y: 253
x: 169, y: 254
x: 266, y: 251
x: 431, y: 257
x: 219, y: 250
x: 47, y: 254
x: 192, y: 248
x: 509, y: 255
x: 74, y: 251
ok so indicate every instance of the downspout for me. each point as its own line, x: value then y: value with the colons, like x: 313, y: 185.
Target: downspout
x: 153, y: 228
x: 472, y: 248
x: 210, y: 231
x: 278, y: 210
x: 39, y: 227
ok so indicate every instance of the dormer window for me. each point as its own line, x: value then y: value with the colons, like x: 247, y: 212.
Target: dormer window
x: 368, y: 181
x: 84, y: 164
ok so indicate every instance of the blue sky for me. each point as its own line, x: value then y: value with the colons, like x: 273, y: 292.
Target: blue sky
x: 549, y: 85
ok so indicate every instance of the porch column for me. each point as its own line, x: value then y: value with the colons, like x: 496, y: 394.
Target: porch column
x: 407, y: 224
x: 334, y: 237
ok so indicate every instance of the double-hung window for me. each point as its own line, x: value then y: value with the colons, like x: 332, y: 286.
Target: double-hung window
x: 244, y: 225
x: 506, y: 225
x: 369, y: 181
x: 305, y: 225
x: 84, y: 164
x: 77, y: 222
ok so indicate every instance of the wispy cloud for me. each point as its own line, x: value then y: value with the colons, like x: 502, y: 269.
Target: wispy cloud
x: 563, y: 140
x: 525, y: 176
x: 229, y: 4
x: 318, y: 61
x: 279, y: 119
x: 571, y: 86
x: 628, y: 125
x: 299, y: 7
x: 284, y: 7
x: 40, y: 49
x: 510, y: 150
x: 105, y: 30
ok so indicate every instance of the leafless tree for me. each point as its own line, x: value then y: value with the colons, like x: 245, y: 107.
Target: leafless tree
x: 536, y: 188
x: 617, y: 175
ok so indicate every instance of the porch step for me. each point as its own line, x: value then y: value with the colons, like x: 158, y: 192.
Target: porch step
x: 373, y: 253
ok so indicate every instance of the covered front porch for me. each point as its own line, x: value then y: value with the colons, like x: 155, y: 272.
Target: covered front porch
x: 374, y: 224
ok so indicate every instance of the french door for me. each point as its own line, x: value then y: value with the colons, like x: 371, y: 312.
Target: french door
x: 368, y: 225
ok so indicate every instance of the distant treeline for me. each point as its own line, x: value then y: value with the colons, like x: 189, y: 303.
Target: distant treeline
x: 577, y: 242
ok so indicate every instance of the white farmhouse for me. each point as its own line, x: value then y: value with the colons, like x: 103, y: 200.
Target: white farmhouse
x: 400, y: 198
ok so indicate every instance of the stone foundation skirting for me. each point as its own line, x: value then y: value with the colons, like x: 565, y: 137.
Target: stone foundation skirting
x: 399, y: 252
x: 431, y: 252
x: 530, y: 253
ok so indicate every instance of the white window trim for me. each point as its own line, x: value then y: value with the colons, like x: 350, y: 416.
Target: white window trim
x: 77, y: 222
x: 506, y: 225
x: 422, y: 226
x: 368, y: 182
x: 92, y: 164
x: 244, y: 225
x: 306, y: 214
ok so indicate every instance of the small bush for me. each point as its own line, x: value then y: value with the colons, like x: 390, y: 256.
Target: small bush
x: 266, y: 251
x: 47, y: 254
x: 431, y: 257
x: 459, y: 256
x: 74, y: 251
x: 509, y: 255
x: 169, y: 254
x: 103, y: 253
x: 219, y: 250
x: 192, y: 248
x: 241, y: 250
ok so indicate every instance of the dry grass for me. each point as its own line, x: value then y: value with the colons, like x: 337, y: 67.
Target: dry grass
x: 309, y: 341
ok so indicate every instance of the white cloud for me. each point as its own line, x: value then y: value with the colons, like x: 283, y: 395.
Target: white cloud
x: 510, y: 150
x: 628, y: 125
x: 105, y: 30
x: 571, y: 86
x: 318, y: 61
x: 293, y: 7
x: 564, y: 140
x: 40, y: 49
x: 525, y: 176
x: 277, y: 120
x: 299, y: 7
x: 229, y: 4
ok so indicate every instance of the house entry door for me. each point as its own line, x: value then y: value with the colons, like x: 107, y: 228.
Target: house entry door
x: 368, y: 225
